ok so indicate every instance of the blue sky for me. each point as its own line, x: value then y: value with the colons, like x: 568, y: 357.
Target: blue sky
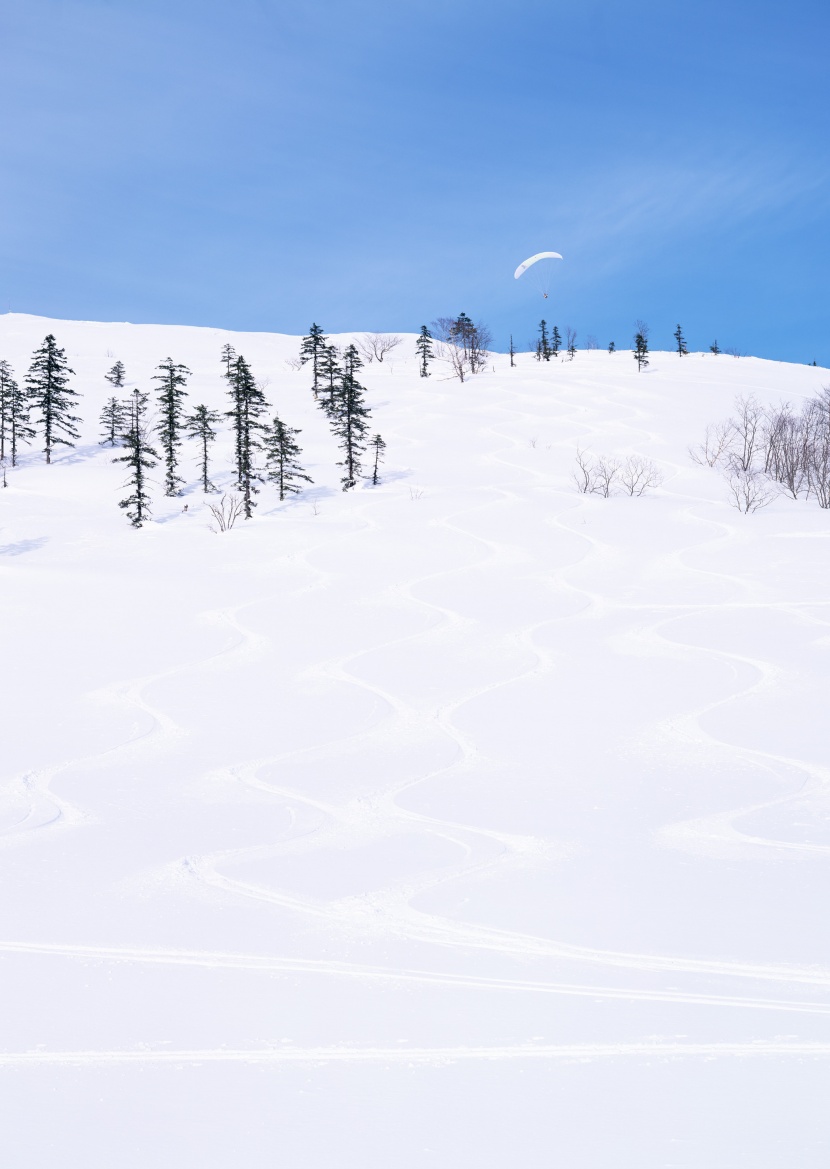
x: 256, y: 164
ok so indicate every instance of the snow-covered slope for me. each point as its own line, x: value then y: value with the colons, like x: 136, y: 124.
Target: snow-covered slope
x: 463, y: 821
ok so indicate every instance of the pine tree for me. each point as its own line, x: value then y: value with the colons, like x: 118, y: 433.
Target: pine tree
x: 349, y: 418
x: 544, y: 350
x: 512, y: 352
x: 555, y: 341
x: 47, y: 384
x: 714, y: 348
x: 114, y: 421
x: 140, y: 458
x: 228, y: 356
x: 312, y: 349
x: 423, y: 347
x: 116, y: 375
x: 248, y: 404
x: 200, y: 425
x: 171, y: 422
x: 282, y: 458
x: 377, y: 447
x: 681, y: 342
x: 329, y: 374
x: 14, y: 415
x: 612, y: 348
x: 641, y: 346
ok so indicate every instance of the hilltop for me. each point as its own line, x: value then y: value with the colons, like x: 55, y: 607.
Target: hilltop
x: 395, y: 825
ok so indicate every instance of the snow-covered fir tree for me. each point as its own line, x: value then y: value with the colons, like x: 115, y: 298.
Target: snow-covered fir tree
x: 349, y: 418
x: 14, y: 416
x: 423, y: 347
x: 200, y: 425
x: 282, y: 459
x: 641, y: 345
x: 555, y: 341
x: 330, y: 372
x: 140, y: 458
x: 680, y: 341
x: 377, y: 448
x: 114, y: 421
x: 512, y: 352
x: 228, y: 357
x: 544, y: 350
x: 312, y: 349
x: 50, y: 395
x: 612, y: 348
x: 714, y: 348
x: 172, y: 378
x: 248, y: 404
x: 116, y: 375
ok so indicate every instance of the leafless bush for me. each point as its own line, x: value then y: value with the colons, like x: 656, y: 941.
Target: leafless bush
x: 605, y: 476
x: 733, y: 351
x: 375, y: 346
x: 787, y: 449
x: 748, y: 427
x: 294, y: 363
x: 595, y: 476
x: 416, y: 493
x: 570, y: 342
x: 716, y: 445
x: 226, y: 512
x: 638, y: 475
x: 749, y: 491
x: 584, y: 473
x: 591, y: 342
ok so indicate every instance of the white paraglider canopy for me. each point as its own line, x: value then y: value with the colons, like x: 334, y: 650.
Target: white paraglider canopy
x: 525, y: 264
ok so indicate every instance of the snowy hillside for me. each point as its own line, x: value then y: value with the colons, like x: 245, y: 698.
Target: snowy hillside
x: 462, y: 821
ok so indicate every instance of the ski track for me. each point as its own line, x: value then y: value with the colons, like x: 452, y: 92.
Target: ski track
x: 414, y: 1056
x: 390, y: 911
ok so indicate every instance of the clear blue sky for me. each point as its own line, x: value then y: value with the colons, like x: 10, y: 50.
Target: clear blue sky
x: 258, y: 164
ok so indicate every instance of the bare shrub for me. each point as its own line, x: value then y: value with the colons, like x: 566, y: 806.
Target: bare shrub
x: 716, y: 445
x: 591, y: 342
x: 570, y: 342
x: 748, y: 427
x: 749, y: 491
x: 375, y: 346
x: 605, y: 476
x: 294, y: 363
x: 584, y: 474
x: 638, y: 475
x: 226, y: 512
x: 787, y: 453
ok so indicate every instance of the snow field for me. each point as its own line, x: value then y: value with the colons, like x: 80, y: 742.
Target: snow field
x: 461, y: 821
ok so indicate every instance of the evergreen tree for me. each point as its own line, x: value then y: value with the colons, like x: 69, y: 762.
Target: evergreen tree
x: 423, y: 347
x: 248, y: 404
x: 377, y: 447
x: 171, y: 422
x: 47, y: 384
x: 114, y: 421
x: 116, y: 375
x: 571, y: 335
x: 14, y: 415
x: 555, y: 341
x: 641, y: 346
x: 681, y: 342
x: 140, y: 458
x: 544, y: 349
x: 512, y: 352
x: 200, y: 425
x: 349, y: 418
x: 329, y: 374
x: 228, y: 356
x: 282, y: 458
x: 714, y: 348
x: 612, y: 348
x: 313, y: 349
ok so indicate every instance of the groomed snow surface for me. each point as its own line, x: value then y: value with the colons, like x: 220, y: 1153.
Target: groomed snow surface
x: 465, y: 821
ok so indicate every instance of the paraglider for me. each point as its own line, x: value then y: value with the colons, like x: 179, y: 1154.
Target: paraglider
x: 542, y: 270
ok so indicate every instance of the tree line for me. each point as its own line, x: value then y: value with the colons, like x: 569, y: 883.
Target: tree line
x: 264, y: 447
